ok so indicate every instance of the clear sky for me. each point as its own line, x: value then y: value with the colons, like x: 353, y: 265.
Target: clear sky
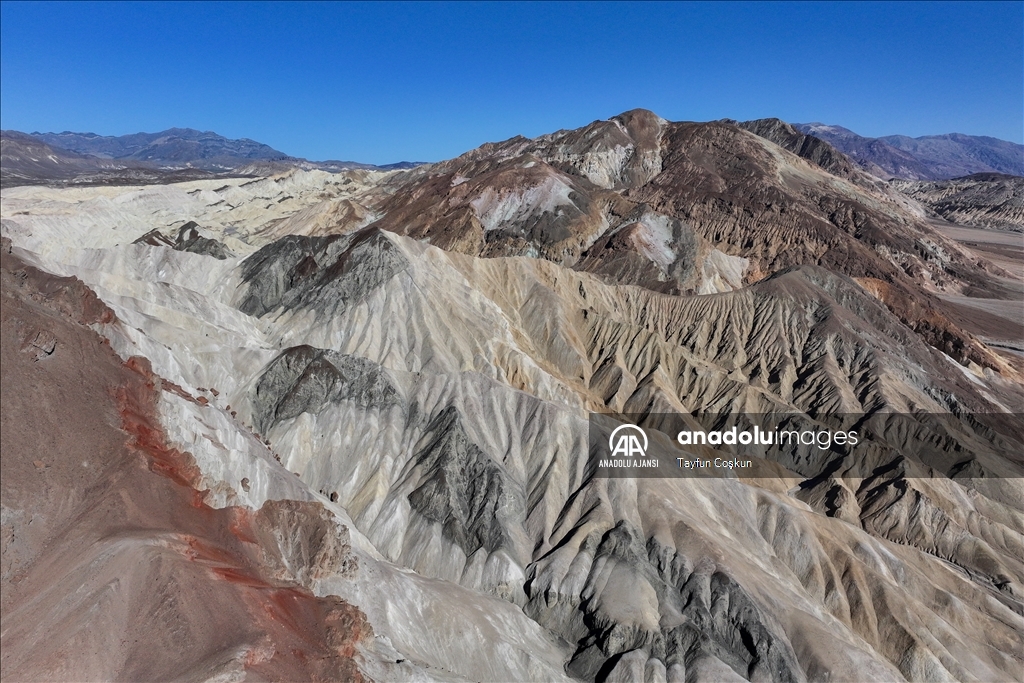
x: 385, y: 82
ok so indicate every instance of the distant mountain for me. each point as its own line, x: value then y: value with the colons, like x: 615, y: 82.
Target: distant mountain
x: 930, y: 157
x: 173, y: 155
x: 27, y: 160
x: 955, y: 155
x: 177, y: 147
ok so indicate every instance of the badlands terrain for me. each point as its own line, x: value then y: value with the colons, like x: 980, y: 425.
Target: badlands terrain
x: 304, y: 425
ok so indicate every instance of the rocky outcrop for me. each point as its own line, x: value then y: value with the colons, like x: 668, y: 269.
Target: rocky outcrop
x: 190, y: 240
x: 304, y: 380
x: 698, y: 612
x: 326, y: 273
x: 464, y: 491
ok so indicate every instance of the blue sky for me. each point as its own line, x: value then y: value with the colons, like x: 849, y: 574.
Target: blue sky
x: 386, y: 82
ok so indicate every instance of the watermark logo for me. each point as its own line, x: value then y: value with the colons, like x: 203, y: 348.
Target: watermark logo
x: 709, y: 444
x: 628, y: 443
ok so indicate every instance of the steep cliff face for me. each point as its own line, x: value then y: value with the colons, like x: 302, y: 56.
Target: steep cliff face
x: 395, y: 403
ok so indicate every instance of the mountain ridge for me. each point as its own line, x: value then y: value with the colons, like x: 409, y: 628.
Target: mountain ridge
x: 207, y: 145
x: 677, y: 206
x: 928, y: 157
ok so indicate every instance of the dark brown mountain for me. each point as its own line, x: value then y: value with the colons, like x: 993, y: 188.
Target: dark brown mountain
x: 805, y: 146
x: 641, y: 200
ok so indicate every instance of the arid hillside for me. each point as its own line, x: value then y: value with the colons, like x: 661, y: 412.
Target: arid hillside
x: 349, y: 416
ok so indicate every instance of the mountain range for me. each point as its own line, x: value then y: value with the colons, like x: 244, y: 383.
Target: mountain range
x: 929, y: 157
x: 311, y: 425
x: 178, y: 146
x: 172, y: 155
x: 180, y: 153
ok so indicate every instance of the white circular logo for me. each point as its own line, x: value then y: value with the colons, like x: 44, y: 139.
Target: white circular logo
x: 627, y: 444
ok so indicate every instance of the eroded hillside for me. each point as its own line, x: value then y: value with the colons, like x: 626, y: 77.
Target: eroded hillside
x: 412, y: 357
